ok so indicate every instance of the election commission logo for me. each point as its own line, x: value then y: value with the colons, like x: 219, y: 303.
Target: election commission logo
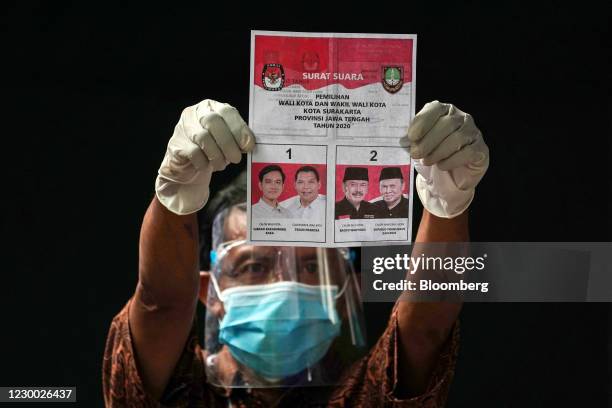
x: 392, y: 78
x: 273, y: 77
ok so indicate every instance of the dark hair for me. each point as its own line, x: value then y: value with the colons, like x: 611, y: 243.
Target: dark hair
x: 269, y: 169
x: 233, y: 193
x: 230, y: 195
x: 307, y: 169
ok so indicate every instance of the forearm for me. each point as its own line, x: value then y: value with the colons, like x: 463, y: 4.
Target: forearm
x: 424, y: 327
x: 168, y: 257
x: 162, y: 311
x: 436, y: 229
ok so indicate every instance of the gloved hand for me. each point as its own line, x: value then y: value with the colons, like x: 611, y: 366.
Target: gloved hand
x: 451, y: 158
x: 207, y: 137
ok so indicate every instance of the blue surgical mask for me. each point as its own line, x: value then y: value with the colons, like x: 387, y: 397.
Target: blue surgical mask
x: 279, y: 329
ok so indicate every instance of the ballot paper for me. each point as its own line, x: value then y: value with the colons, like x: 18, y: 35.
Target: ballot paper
x: 328, y: 110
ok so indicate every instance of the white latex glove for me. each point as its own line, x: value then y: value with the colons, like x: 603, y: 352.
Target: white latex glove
x: 450, y: 156
x: 207, y: 137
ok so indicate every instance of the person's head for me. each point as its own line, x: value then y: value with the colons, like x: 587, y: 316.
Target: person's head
x: 307, y: 184
x: 271, y: 182
x: 298, y: 298
x: 355, y: 184
x: 391, y: 185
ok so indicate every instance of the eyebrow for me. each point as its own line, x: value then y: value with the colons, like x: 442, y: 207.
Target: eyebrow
x: 250, y: 252
x: 307, y: 256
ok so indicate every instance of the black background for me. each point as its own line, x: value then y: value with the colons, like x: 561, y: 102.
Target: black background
x: 91, y: 97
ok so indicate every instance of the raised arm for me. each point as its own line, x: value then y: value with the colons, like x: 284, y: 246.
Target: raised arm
x: 451, y: 158
x: 207, y: 137
x: 424, y: 327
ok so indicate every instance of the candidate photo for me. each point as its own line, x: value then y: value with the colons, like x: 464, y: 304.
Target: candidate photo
x: 308, y: 204
x: 354, y: 205
x: 392, y: 202
x: 270, y: 187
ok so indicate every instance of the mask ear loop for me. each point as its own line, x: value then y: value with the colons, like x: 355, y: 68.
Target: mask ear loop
x: 216, y: 287
x: 344, y: 286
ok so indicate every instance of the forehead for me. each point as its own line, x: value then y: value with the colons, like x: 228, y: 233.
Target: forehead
x: 306, y: 175
x: 273, y: 175
x: 390, y: 181
x: 354, y: 182
x: 235, y: 225
x: 270, y: 251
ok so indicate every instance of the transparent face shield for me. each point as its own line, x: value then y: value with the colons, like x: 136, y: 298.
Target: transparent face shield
x: 279, y: 316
